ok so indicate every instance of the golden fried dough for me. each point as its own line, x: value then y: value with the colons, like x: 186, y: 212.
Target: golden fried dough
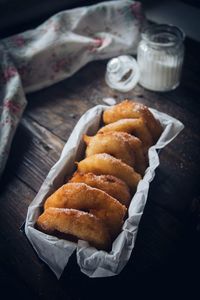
x: 106, y: 164
x: 79, y: 224
x: 93, y: 204
x: 116, y: 144
x: 83, y: 197
x: 112, y: 185
x: 120, y: 145
x: 129, y: 109
x: 137, y: 127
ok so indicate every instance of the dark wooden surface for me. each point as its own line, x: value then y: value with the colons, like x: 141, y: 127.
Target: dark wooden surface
x: 165, y: 261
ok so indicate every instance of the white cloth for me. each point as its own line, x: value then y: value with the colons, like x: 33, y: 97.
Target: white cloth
x: 56, y: 50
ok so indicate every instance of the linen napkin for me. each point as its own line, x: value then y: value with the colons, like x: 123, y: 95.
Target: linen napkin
x: 58, y: 48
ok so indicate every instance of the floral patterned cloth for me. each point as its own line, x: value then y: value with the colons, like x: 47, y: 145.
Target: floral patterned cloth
x: 56, y: 50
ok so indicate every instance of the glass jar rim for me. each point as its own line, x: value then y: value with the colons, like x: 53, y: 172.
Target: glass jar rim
x: 163, y: 35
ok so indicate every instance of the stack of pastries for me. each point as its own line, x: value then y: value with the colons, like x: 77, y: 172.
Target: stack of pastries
x: 93, y: 204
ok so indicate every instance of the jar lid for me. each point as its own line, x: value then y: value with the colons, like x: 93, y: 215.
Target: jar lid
x: 122, y: 73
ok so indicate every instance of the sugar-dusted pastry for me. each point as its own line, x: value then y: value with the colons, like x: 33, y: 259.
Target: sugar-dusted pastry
x: 106, y: 164
x: 130, y: 109
x: 72, y: 223
x: 112, y: 185
x: 120, y: 145
x: 85, y: 198
x: 136, y: 127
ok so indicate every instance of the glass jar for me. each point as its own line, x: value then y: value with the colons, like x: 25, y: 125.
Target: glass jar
x: 160, y: 57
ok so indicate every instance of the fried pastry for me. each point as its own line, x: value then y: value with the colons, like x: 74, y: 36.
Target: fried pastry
x: 93, y: 204
x: 129, y: 109
x: 116, y: 144
x: 108, y: 165
x: 112, y: 185
x: 120, y: 145
x: 79, y: 224
x: 85, y: 198
x: 136, y: 127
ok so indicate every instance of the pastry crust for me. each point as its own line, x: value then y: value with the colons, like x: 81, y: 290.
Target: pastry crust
x: 116, y: 144
x: 85, y: 198
x: 130, y: 109
x: 73, y: 222
x: 108, y: 165
x: 136, y: 127
x: 112, y: 185
x: 120, y: 145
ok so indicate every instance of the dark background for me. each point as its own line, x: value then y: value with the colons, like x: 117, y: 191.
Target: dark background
x: 20, y: 15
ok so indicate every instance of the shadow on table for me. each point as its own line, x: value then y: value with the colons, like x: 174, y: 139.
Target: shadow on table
x: 160, y: 267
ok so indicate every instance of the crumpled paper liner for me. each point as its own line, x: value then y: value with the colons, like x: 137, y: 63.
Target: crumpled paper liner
x: 56, y: 252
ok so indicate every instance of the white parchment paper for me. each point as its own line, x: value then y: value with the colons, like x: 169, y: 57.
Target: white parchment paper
x: 56, y: 252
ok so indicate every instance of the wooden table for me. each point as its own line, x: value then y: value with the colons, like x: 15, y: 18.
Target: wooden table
x: 166, y: 254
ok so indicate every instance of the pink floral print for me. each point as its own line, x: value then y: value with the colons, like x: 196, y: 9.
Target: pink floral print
x: 56, y: 50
